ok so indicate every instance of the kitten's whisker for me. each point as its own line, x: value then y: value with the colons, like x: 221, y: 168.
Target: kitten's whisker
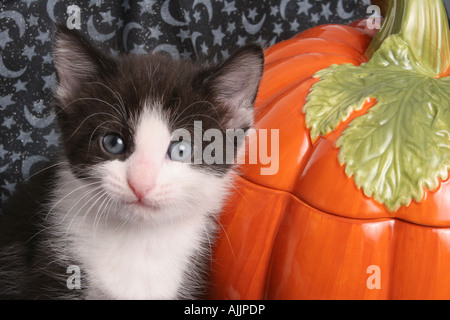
x: 99, y: 214
x: 115, y: 209
x: 81, y: 197
x: 37, y: 233
x: 76, y: 180
x: 110, y: 203
x: 40, y: 171
x: 73, y: 191
x: 124, y: 222
x: 118, y: 98
x: 99, y: 196
x: 237, y: 190
x: 226, y: 236
x: 61, y: 187
x: 90, y: 197
x: 97, y: 100
x: 204, y: 116
x: 207, y: 236
x: 88, y: 117
x: 192, y: 105
x: 85, y: 213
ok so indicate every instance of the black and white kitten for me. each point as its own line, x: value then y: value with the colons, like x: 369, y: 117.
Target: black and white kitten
x: 124, y: 213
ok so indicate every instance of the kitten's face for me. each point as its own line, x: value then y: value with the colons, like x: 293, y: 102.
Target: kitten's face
x: 149, y: 183
x: 119, y: 120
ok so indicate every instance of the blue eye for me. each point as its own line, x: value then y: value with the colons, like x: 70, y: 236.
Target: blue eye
x: 179, y: 151
x: 113, y: 144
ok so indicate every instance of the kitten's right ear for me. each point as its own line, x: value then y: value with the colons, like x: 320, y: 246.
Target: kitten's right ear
x: 76, y: 61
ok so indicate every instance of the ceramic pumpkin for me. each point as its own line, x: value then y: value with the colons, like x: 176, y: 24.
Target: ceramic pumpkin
x: 360, y: 205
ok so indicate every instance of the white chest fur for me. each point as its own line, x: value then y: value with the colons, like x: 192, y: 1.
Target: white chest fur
x: 148, y: 263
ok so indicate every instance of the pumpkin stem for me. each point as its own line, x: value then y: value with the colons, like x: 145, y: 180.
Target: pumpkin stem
x: 423, y: 25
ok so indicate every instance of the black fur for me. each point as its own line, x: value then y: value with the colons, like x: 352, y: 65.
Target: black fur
x: 28, y: 267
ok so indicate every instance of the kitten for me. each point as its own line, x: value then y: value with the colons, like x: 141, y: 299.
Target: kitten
x: 125, y: 213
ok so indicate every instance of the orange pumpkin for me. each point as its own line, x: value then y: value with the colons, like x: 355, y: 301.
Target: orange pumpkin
x: 331, y: 224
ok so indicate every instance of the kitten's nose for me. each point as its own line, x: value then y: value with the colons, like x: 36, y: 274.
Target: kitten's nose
x: 139, y: 189
x: 142, y: 174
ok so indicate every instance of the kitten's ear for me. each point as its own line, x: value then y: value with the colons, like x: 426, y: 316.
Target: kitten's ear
x: 76, y: 61
x: 235, y: 82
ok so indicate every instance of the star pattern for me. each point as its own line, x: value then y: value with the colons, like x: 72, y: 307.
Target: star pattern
x: 107, y: 17
x: 43, y: 37
x: 20, y: 86
x: 326, y: 12
x: 52, y: 139
x: 209, y: 30
x: 303, y: 7
x: 25, y: 137
x: 229, y: 7
x: 147, y: 6
x: 29, y: 52
x: 6, y: 101
x: 8, y: 122
x: 218, y: 35
x: 155, y: 33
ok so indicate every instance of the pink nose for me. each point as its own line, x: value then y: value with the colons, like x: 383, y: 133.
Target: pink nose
x: 140, y: 190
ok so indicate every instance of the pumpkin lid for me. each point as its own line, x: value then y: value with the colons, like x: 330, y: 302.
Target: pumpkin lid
x: 378, y: 143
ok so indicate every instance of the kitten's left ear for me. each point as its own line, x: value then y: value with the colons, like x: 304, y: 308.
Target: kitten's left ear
x: 77, y: 61
x: 235, y: 82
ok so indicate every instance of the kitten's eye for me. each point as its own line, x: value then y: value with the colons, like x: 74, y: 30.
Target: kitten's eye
x: 179, y: 151
x: 113, y: 144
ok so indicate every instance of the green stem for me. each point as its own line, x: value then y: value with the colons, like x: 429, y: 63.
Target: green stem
x: 423, y: 25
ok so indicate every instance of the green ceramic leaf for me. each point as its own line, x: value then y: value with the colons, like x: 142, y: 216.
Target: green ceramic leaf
x: 403, y: 143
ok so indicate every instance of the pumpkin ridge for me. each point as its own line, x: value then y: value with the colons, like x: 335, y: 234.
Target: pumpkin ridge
x: 295, y: 47
x: 262, y: 106
x: 296, y: 197
x: 300, y: 67
x: 345, y: 34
